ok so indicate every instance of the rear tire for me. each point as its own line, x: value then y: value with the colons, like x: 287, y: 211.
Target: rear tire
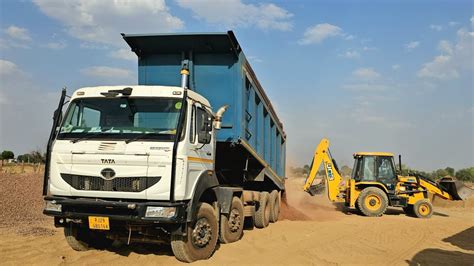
x: 262, y: 213
x: 275, y: 203
x: 201, y: 238
x: 76, y: 237
x: 423, y: 209
x: 232, y: 224
x: 372, y: 201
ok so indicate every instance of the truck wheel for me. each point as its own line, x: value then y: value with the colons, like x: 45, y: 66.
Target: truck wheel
x: 201, y: 236
x: 423, y: 209
x: 409, y: 210
x: 275, y: 202
x: 262, y: 214
x: 372, y: 201
x: 76, y: 237
x: 232, y: 224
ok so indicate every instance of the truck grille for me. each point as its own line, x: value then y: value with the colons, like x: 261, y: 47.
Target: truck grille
x: 125, y: 184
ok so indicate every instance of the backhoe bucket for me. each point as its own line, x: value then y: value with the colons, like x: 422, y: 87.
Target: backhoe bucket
x: 316, y: 189
x: 455, y: 188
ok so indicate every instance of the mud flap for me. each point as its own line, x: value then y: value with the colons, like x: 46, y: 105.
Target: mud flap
x: 455, y: 188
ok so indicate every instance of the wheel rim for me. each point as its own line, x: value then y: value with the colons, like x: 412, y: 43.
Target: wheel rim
x: 235, y: 220
x: 373, y: 202
x: 424, y: 209
x: 202, y: 233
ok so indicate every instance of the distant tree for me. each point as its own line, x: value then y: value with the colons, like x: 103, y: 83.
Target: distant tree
x: 38, y: 156
x: 345, y: 170
x: 7, y: 155
x: 440, y: 173
x: 466, y: 174
x: 450, y: 170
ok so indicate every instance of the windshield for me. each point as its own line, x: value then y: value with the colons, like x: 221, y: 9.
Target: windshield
x: 121, y: 118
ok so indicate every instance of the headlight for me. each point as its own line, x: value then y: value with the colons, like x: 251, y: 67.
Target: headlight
x: 53, y: 206
x: 163, y: 212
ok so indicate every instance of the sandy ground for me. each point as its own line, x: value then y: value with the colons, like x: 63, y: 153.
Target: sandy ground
x: 311, y: 230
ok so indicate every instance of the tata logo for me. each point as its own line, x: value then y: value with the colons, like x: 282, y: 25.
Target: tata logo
x: 108, y: 173
x: 108, y: 161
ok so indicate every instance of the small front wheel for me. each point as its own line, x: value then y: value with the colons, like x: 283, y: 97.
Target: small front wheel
x: 423, y: 209
x: 201, y: 236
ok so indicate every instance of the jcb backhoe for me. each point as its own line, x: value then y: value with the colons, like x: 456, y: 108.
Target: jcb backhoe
x: 375, y: 184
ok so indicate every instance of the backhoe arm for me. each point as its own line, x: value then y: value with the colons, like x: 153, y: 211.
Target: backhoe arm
x: 333, y: 178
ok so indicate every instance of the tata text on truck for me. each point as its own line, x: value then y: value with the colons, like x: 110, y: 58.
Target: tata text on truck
x: 182, y: 158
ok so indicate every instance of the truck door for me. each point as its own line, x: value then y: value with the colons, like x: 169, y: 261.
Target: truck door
x: 201, y: 153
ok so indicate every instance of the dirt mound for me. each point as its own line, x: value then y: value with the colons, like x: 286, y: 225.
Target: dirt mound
x: 22, y: 203
x: 291, y: 213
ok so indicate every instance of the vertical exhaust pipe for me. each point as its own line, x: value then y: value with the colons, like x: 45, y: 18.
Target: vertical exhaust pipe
x: 185, y: 74
x: 400, y: 162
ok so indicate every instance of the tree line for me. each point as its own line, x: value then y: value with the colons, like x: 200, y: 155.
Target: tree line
x: 465, y: 174
x: 36, y: 156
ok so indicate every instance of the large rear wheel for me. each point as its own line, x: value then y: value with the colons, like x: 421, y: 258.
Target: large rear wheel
x: 232, y: 224
x: 275, y: 203
x: 262, y: 212
x: 201, y: 236
x: 372, y: 201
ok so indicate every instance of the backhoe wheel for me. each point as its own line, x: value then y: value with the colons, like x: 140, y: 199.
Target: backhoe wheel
x: 201, y: 238
x: 372, y: 201
x: 409, y: 210
x: 262, y: 213
x: 423, y: 209
x: 232, y: 224
x: 275, y: 203
x: 76, y: 237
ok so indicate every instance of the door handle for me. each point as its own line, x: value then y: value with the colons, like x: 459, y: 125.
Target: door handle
x: 209, y: 154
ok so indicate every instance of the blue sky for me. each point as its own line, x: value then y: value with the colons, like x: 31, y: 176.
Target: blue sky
x: 394, y: 76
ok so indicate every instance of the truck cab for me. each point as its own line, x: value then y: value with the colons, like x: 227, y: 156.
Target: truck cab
x: 156, y: 163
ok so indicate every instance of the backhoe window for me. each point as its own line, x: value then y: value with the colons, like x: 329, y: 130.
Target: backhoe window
x: 368, y: 169
x: 385, y: 168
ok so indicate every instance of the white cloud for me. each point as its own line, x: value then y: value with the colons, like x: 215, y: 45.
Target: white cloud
x: 18, y: 33
x: 453, y: 60
x: 369, y: 48
x: 396, y: 67
x: 254, y: 59
x: 125, y: 54
x: 106, y: 72
x: 235, y: 13
x: 351, y: 54
x: 436, y: 27
x: 366, y: 74
x: 8, y: 68
x: 412, y: 45
x: 318, y: 33
x: 453, y: 23
x: 103, y: 21
x: 365, y: 87
x: 56, y: 45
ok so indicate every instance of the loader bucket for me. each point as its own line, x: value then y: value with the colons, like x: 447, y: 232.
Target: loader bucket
x: 455, y: 188
x: 316, y: 189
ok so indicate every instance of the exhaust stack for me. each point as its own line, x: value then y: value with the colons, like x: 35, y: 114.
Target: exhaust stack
x: 185, y: 74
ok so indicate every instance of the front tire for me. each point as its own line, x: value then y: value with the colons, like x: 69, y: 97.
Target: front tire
x: 423, y: 209
x: 201, y: 238
x: 372, y: 201
x: 232, y: 224
x: 76, y: 237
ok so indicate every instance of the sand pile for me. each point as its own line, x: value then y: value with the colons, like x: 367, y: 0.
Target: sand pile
x: 22, y: 204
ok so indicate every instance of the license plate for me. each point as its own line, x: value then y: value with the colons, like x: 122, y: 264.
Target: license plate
x: 99, y: 223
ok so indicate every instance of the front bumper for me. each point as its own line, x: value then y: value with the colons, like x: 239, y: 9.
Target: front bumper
x: 124, y: 211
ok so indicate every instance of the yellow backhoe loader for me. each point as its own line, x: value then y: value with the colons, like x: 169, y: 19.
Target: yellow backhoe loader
x: 375, y: 184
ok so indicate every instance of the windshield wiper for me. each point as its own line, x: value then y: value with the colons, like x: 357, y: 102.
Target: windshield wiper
x: 90, y: 135
x: 139, y: 136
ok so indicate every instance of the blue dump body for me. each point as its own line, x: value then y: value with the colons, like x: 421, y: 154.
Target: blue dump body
x: 220, y: 72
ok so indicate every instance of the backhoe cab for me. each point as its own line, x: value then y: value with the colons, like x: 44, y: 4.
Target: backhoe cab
x: 375, y: 184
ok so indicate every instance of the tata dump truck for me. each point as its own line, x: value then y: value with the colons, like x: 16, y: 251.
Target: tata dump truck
x: 181, y: 158
x: 375, y: 184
